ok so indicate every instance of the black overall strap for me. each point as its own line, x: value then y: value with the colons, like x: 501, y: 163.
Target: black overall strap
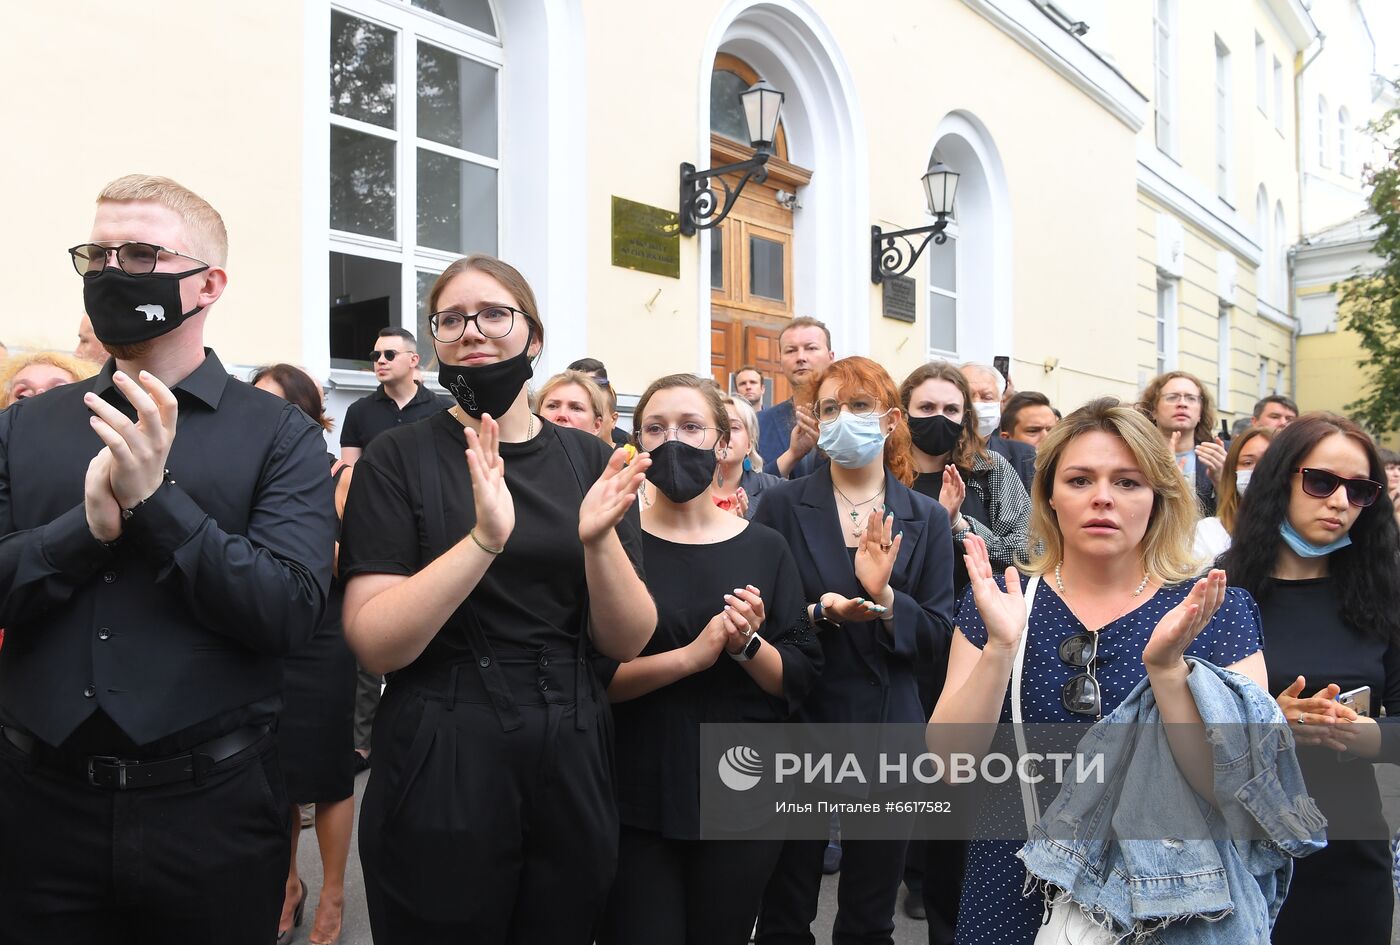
x: 435, y: 523
x: 583, y: 671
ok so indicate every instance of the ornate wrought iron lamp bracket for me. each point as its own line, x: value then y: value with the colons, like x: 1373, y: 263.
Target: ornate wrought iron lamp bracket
x: 889, y: 260
x: 700, y: 207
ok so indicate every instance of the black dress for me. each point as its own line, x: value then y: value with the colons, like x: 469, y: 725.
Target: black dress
x: 318, y: 706
x: 672, y: 886
x: 1342, y: 893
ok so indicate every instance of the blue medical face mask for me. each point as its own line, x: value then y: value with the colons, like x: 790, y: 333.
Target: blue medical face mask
x: 1306, y: 549
x: 852, y: 441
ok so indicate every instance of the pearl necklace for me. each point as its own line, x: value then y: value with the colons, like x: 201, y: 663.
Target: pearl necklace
x: 1061, y: 584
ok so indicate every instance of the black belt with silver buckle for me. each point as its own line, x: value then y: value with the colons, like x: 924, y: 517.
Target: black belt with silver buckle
x: 121, y: 774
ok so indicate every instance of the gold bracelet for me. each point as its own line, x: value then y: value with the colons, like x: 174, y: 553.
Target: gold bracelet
x: 490, y: 551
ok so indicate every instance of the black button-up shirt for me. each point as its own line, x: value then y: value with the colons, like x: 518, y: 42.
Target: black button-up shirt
x: 172, y: 636
x: 376, y: 412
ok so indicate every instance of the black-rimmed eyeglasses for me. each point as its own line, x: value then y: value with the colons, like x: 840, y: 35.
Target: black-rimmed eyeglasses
x: 1320, y: 484
x: 135, y: 259
x: 495, y: 321
x: 1081, y: 694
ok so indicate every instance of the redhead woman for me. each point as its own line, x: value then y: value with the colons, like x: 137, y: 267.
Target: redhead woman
x: 485, y: 551
x: 875, y: 559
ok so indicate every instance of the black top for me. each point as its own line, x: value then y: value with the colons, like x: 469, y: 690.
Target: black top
x: 175, y: 633
x: 376, y: 412
x: 1304, y: 635
x: 931, y: 484
x: 658, y: 734
x: 534, y: 594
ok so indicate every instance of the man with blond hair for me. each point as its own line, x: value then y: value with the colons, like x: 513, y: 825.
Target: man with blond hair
x: 787, y: 431
x: 150, y: 581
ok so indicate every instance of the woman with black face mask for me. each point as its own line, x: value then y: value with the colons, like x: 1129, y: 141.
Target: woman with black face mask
x: 983, y: 496
x: 733, y: 643
x: 485, y: 552
x: 980, y: 491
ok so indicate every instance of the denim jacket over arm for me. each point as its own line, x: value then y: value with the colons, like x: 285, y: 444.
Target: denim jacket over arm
x: 1217, y: 874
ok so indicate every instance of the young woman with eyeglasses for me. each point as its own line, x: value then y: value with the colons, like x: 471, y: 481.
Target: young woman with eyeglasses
x: 876, y: 566
x: 1112, y: 520
x: 733, y: 643
x: 1316, y: 544
x: 485, y: 551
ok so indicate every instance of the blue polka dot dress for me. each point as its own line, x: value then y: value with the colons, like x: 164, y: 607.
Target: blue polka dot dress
x: 993, y: 910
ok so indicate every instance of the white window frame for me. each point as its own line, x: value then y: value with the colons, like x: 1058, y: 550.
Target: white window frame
x: 1165, y: 325
x: 412, y: 25
x: 1164, y: 75
x: 1263, y: 377
x: 1222, y: 357
x: 1261, y: 75
x: 1280, y: 263
x: 1278, y: 378
x: 1223, y: 123
x: 933, y: 351
x: 1324, y: 119
x: 1278, y: 96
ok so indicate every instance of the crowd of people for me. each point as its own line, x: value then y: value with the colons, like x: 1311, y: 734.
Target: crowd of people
x: 517, y: 615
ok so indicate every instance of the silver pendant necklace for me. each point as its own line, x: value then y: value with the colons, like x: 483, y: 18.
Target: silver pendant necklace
x: 857, y: 529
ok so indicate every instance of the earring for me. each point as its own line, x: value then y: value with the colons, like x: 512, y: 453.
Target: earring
x: 723, y: 458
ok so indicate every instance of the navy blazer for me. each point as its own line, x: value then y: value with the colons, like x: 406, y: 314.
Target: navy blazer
x: 869, y: 668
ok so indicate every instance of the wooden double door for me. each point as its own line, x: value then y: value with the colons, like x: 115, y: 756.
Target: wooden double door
x: 751, y: 273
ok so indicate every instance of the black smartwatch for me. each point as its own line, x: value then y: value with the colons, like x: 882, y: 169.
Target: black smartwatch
x: 750, y: 648
x: 820, y: 619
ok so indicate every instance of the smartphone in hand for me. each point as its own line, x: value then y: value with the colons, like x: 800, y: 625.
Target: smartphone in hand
x: 1358, y: 700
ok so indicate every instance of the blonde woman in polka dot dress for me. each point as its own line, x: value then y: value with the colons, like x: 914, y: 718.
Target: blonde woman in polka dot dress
x: 1113, y: 520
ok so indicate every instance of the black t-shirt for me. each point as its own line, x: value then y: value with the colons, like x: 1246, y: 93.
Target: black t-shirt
x: 533, y: 595
x: 930, y: 484
x: 658, y: 734
x: 1304, y: 635
x: 376, y: 412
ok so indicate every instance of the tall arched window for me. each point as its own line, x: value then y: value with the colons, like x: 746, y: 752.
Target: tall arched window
x: 1279, y: 266
x: 414, y: 158
x: 1324, y: 119
x: 1343, y: 124
x: 1263, y: 286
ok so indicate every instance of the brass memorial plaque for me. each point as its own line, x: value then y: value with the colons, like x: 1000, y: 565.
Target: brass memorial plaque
x: 645, y: 238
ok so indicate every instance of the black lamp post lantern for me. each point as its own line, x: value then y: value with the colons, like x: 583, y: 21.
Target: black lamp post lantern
x: 940, y: 186
x: 700, y: 207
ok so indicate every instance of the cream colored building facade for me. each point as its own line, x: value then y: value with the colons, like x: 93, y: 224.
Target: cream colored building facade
x: 355, y: 147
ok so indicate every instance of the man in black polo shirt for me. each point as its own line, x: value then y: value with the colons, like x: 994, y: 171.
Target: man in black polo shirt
x: 400, y: 397
x: 150, y: 581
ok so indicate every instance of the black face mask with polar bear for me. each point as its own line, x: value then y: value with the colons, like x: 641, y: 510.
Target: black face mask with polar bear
x: 127, y: 309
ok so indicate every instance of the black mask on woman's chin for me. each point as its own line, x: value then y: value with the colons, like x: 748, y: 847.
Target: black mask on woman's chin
x: 487, y: 388
x: 680, y: 470
x: 935, y: 435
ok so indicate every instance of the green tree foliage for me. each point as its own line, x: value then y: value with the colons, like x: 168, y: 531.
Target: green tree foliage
x: 1371, y: 301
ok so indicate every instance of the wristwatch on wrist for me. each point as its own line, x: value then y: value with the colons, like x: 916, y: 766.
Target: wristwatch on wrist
x: 820, y: 619
x: 750, y: 648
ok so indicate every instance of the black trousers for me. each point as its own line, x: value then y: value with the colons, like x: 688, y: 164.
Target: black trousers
x: 471, y: 833
x: 865, y: 899
x: 178, y: 863
x: 686, y: 892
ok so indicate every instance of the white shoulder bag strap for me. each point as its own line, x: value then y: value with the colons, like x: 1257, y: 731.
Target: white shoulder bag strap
x: 1028, y: 799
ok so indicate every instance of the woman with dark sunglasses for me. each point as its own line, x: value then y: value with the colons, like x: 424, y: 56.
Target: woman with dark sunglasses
x: 1316, y: 545
x: 1112, y: 521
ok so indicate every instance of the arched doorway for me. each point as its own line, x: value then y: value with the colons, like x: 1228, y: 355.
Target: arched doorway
x: 752, y: 251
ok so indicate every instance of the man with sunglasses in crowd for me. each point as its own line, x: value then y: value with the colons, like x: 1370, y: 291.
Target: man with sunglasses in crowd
x: 151, y: 579
x: 399, y: 398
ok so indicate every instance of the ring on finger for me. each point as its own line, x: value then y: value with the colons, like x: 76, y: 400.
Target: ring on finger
x: 1302, y: 719
x: 886, y: 546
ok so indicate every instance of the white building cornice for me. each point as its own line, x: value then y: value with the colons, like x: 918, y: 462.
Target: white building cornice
x: 1297, y: 23
x: 1028, y: 25
x: 1163, y: 180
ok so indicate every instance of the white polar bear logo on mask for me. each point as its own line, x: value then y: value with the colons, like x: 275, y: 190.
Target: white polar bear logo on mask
x: 154, y: 313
